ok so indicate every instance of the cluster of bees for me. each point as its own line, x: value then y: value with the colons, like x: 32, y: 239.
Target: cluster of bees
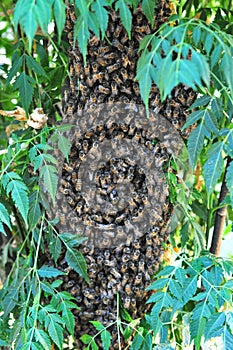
x: 124, y: 266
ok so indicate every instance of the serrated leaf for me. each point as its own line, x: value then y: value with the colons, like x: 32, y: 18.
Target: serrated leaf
x: 195, y: 143
x: 175, y: 289
x: 71, y: 240
x: 197, y: 329
x: 64, y: 145
x: 82, y: 33
x: 167, y: 270
x: 213, y: 168
x: 144, y: 77
x: 23, y: 84
x: 215, y: 56
x: 85, y: 338
x: 148, y: 7
x: 190, y: 288
x: 227, y: 338
x: 50, y: 180
x: 43, y: 11
x: 226, y: 66
x: 14, y: 69
x: 193, y: 118
x: 98, y: 325
x: 196, y: 35
x: 33, y: 65
x: 208, y: 42
x: 106, y: 339
x: 60, y: 16
x: 201, y: 101
x: 77, y: 262
x: 18, y: 191
x: 49, y: 272
x: 214, y: 325
x: 159, y: 284
x: 125, y: 15
x: 101, y: 14
x: 4, y: 217
x: 34, y: 214
x: 229, y: 181
x: 69, y: 319
x: 199, y: 236
x: 56, y: 333
x: 43, y: 338
x: 55, y: 248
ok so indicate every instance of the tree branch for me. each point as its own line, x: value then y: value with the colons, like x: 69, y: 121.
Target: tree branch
x: 220, y: 218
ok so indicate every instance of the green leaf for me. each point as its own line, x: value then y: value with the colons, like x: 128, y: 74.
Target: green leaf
x: 34, y: 214
x: 43, y: 338
x: 68, y: 318
x: 23, y: 84
x: 201, y: 101
x: 56, y: 333
x: 82, y: 33
x: 43, y: 11
x: 229, y: 181
x: 4, y: 218
x: 86, y: 339
x: 60, y: 16
x: 49, y: 272
x: 148, y: 7
x: 175, y: 289
x: 196, y: 35
x: 106, y: 339
x: 226, y: 66
x: 199, y: 236
x: 208, y: 42
x: 71, y: 240
x: 18, y: 190
x: 195, y: 143
x: 144, y: 76
x: 215, y: 56
x: 77, y: 262
x: 50, y: 180
x: 125, y: 15
x: 214, y: 326
x: 64, y: 145
x: 190, y: 288
x: 14, y: 69
x: 33, y: 65
x: 213, y: 168
x: 98, y: 325
x: 227, y: 338
x: 197, y: 329
x: 101, y: 14
x: 159, y: 284
x: 55, y: 248
x: 193, y: 118
x: 168, y: 270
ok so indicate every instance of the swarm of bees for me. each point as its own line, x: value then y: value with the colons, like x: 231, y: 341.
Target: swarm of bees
x: 108, y: 77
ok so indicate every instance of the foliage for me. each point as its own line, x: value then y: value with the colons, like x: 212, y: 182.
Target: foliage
x: 195, y: 295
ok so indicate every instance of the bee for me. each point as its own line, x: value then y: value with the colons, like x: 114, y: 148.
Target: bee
x: 107, y: 254
x: 126, y: 302
x: 106, y: 300
x: 111, y: 99
x: 125, y: 279
x: 94, y: 66
x: 124, y: 39
x: 82, y: 155
x: 125, y: 60
x: 123, y: 268
x: 132, y: 129
x: 114, y: 88
x: 113, y: 67
x: 139, y: 18
x: 132, y: 266
x: 109, y: 56
x: 100, y: 312
x: 90, y: 82
x: 138, y: 279
x: 97, y: 76
x: 128, y: 289
x: 78, y: 185
x: 126, y: 250
x: 125, y: 258
x: 94, y: 41
x: 124, y: 99
x: 115, y: 273
x: 103, y: 49
x: 117, y: 31
x: 135, y: 255
x: 149, y: 252
x: 101, y: 98
x: 102, y: 62
x: 136, y: 244
x: 120, y: 218
x: 88, y: 293
x: 141, y: 266
x: 102, y: 135
x: 89, y: 133
x: 136, y: 88
x: 176, y: 112
x: 116, y: 43
x: 126, y: 90
x: 67, y: 168
x: 124, y: 74
x: 70, y: 201
x: 104, y: 90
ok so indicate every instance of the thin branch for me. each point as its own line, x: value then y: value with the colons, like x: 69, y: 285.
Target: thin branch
x: 220, y: 218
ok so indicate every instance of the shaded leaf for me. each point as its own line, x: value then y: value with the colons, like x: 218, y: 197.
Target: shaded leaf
x: 77, y: 262
x: 49, y: 271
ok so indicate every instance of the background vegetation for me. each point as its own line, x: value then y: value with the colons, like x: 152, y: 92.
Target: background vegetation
x: 193, y: 299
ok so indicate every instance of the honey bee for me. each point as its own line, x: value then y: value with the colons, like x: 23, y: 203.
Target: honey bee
x: 103, y: 49
x: 126, y: 302
x: 126, y: 90
x: 132, y: 266
x: 124, y: 74
x: 100, y: 312
x: 125, y: 279
x: 104, y: 90
x: 125, y: 60
x: 94, y: 41
x: 135, y: 255
x: 124, y: 39
x: 128, y: 289
x: 106, y: 300
x: 111, y: 99
x: 90, y: 82
x: 102, y: 62
x: 89, y: 133
x: 87, y: 303
x: 82, y: 155
x: 109, y: 263
x: 124, y: 268
x: 114, y: 88
x: 89, y: 293
x: 138, y: 279
x: 113, y: 67
x: 117, y: 31
x: 70, y: 201
x: 67, y: 168
x: 149, y: 252
x: 109, y: 56
x: 116, y: 43
x: 132, y: 129
x: 125, y: 258
x: 78, y: 185
x: 115, y: 273
x: 133, y: 303
x: 97, y: 76
x: 136, y: 88
x: 176, y: 112
x: 101, y: 98
x: 94, y: 66
x: 120, y: 218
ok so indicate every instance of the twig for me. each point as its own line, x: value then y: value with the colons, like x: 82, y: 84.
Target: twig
x: 220, y: 218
